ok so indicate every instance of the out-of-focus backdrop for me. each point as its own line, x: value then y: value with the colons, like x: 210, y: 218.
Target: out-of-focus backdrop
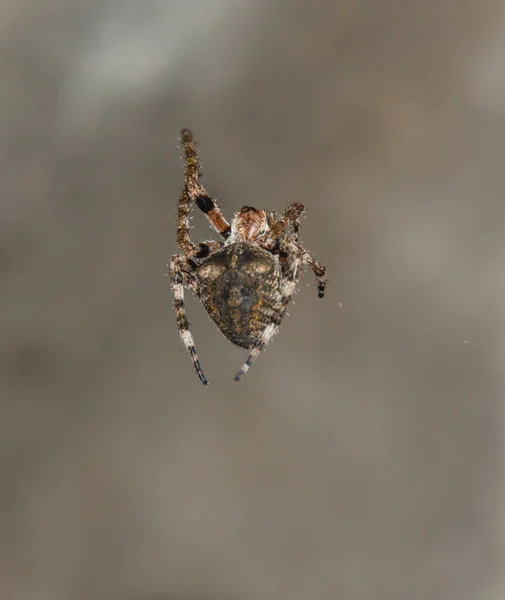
x: 361, y: 458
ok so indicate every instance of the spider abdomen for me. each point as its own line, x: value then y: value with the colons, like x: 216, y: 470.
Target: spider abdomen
x: 241, y: 291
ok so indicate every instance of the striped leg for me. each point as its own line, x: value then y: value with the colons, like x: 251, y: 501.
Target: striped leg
x: 291, y: 270
x: 203, y: 249
x: 194, y: 192
x: 268, y: 333
x: 180, y: 270
x: 293, y: 215
x: 318, y: 270
x: 283, y: 226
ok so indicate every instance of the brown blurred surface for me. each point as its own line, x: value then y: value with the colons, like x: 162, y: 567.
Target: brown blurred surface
x: 361, y: 457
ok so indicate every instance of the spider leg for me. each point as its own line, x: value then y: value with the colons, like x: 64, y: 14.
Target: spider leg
x: 180, y: 270
x: 268, y: 333
x: 291, y: 270
x: 204, y: 249
x: 281, y: 235
x: 195, y: 192
x: 293, y: 215
x: 318, y: 270
x: 284, y: 226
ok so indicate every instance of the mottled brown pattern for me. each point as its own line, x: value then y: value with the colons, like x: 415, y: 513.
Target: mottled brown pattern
x: 363, y: 456
x: 241, y: 290
x: 245, y: 283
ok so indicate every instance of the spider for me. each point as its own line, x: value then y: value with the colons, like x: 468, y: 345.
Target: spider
x: 244, y: 282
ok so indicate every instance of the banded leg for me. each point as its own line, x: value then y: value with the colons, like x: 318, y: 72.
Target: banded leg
x: 291, y: 270
x: 194, y: 192
x: 293, y: 215
x: 180, y: 270
x: 318, y: 270
x: 203, y: 249
x: 282, y: 227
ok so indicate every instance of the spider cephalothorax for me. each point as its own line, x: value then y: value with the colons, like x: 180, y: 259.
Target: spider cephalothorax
x: 246, y: 282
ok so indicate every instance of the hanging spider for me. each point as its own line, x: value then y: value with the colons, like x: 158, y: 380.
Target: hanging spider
x: 244, y: 282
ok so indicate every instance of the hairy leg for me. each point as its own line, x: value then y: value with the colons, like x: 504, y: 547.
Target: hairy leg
x: 180, y: 270
x: 318, y: 270
x: 282, y: 227
x: 293, y: 216
x: 194, y: 192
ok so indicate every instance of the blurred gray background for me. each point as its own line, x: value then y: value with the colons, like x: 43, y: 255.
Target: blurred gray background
x: 361, y: 458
